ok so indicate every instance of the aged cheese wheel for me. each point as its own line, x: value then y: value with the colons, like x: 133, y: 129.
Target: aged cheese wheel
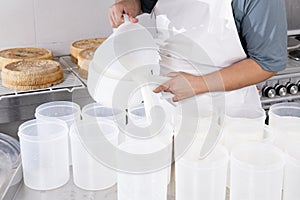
x: 17, y: 54
x: 80, y: 45
x: 84, y: 59
x: 32, y: 74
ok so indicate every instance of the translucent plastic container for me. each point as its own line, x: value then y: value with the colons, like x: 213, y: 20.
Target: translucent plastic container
x: 242, y: 124
x: 268, y: 138
x: 9, y: 152
x: 44, y: 152
x: 142, y: 175
x: 98, y: 112
x: 256, y: 172
x: 63, y: 110
x: 137, y: 116
x: 66, y: 111
x: 292, y: 172
x: 193, y: 120
x: 202, y: 179
x: 284, y: 119
x: 91, y: 171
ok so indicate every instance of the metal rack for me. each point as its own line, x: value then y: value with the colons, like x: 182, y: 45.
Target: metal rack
x: 17, y: 106
x: 70, y: 83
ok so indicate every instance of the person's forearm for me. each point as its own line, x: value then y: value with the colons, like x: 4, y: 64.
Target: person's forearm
x: 241, y: 74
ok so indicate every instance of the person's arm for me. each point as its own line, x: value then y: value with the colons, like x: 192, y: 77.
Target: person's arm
x: 241, y: 74
x: 262, y: 26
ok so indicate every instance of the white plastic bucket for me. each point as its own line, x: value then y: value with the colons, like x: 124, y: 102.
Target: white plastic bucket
x: 66, y: 111
x: 242, y: 124
x: 44, y: 152
x: 256, y: 172
x: 63, y: 110
x: 202, y: 179
x: 137, y: 116
x: 284, y: 119
x: 149, y: 184
x: 98, y: 112
x: 90, y: 173
x: 292, y: 172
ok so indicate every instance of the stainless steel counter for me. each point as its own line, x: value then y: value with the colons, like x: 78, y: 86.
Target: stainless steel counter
x: 16, y: 190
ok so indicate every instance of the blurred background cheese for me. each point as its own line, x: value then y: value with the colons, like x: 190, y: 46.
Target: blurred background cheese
x: 33, y: 74
x: 18, y: 54
x: 80, y: 45
x: 84, y: 59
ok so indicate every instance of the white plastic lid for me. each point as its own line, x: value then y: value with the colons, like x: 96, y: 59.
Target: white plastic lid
x: 99, y: 111
x: 64, y: 110
x: 42, y: 130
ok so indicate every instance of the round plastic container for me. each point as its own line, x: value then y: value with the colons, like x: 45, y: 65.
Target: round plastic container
x: 137, y: 116
x: 91, y: 173
x: 242, y: 124
x: 44, y: 152
x: 195, y: 178
x: 268, y: 138
x: 9, y: 152
x: 292, y: 172
x: 256, y: 172
x: 98, y: 112
x: 137, y: 185
x: 63, y: 110
x: 284, y: 119
x: 66, y: 111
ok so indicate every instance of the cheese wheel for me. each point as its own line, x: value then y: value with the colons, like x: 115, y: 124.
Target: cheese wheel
x: 80, y: 45
x: 84, y: 59
x: 32, y: 74
x: 18, y: 54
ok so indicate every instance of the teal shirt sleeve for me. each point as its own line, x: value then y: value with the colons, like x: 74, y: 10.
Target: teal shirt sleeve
x: 262, y: 27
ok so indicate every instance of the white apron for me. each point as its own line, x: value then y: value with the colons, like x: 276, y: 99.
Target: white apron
x: 199, y: 37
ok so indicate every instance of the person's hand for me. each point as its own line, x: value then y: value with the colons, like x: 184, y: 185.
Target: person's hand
x: 182, y: 85
x: 130, y: 7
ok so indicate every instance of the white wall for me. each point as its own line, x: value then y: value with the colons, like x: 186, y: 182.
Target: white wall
x: 52, y: 24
